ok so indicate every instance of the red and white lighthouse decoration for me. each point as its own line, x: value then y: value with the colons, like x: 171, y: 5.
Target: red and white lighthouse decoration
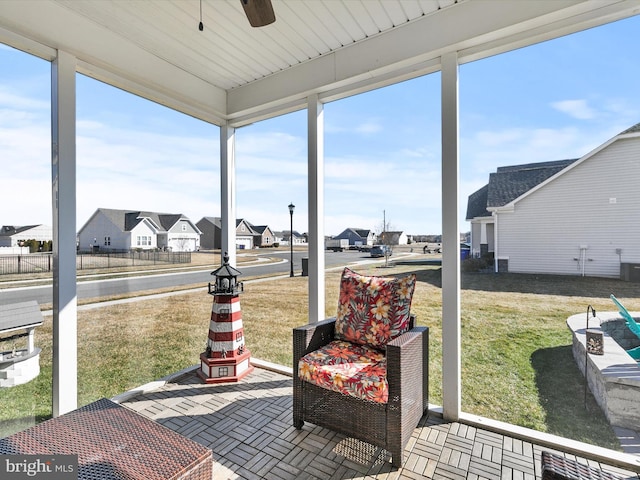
x: 226, y: 358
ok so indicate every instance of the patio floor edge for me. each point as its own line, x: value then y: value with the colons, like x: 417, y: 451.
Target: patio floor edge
x: 601, y: 454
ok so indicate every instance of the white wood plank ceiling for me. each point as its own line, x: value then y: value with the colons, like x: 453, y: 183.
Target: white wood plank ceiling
x: 231, y: 71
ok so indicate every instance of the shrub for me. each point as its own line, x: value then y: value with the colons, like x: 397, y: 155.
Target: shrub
x: 477, y: 264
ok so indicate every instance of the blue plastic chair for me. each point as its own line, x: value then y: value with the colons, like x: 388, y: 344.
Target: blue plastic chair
x: 631, y: 324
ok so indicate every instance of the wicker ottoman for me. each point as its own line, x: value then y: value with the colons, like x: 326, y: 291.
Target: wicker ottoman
x: 112, y: 441
x: 555, y: 467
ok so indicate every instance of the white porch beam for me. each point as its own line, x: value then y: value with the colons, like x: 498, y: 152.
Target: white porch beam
x: 451, y: 375
x: 315, y: 142
x: 228, y: 191
x: 400, y: 53
x: 63, y: 177
x: 109, y: 56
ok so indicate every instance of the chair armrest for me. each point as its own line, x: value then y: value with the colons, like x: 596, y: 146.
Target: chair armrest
x: 408, y: 368
x: 311, y: 337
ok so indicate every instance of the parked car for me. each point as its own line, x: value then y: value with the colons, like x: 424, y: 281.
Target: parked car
x: 380, y: 251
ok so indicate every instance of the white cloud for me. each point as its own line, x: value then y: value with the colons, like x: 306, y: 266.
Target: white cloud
x: 348, y: 124
x: 500, y: 137
x: 388, y: 143
x: 487, y: 149
x: 575, y: 108
x: 368, y: 128
x: 10, y: 99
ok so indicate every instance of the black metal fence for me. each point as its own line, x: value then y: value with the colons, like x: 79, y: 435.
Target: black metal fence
x: 43, y: 262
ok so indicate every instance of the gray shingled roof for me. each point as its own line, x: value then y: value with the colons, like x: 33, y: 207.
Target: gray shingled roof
x: 217, y: 221
x: 126, y: 220
x: 364, y: 233
x: 477, y: 204
x: 509, y: 183
x: 9, y: 230
x: 634, y: 129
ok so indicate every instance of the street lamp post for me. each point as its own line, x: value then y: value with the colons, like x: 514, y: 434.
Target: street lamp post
x: 291, y: 208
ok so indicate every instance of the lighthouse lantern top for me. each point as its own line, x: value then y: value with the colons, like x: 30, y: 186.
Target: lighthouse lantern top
x: 226, y: 279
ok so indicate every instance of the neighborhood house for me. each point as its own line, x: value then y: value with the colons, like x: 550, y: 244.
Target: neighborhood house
x: 357, y: 237
x: 248, y: 236
x: 118, y: 230
x: 569, y: 217
x: 13, y: 236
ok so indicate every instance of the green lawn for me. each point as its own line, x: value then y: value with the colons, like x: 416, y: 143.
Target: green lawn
x: 517, y: 365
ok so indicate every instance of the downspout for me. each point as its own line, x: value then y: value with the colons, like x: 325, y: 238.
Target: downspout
x: 583, y: 258
x: 495, y: 242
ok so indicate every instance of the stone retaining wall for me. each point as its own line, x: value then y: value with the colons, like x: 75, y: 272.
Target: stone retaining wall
x: 613, y: 378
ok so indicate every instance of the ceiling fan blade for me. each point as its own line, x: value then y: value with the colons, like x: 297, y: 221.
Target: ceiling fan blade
x: 258, y: 12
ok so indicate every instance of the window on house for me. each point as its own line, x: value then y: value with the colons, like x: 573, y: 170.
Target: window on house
x: 184, y: 227
x: 107, y: 240
x: 143, y: 240
x: 223, y: 371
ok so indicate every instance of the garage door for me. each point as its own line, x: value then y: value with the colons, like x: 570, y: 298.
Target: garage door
x: 183, y: 244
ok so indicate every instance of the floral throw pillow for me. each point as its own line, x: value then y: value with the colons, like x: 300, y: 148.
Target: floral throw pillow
x: 373, y: 310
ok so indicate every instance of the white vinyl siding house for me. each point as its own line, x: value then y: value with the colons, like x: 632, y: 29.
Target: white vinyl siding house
x: 13, y: 236
x: 143, y: 236
x: 584, y: 219
x: 247, y: 236
x: 357, y: 236
x: 101, y: 233
x: 244, y: 235
x: 123, y: 230
x: 183, y: 237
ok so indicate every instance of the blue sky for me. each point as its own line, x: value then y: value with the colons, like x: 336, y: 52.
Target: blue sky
x: 556, y: 100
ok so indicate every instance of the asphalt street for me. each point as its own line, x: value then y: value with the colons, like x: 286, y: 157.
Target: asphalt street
x: 105, y: 287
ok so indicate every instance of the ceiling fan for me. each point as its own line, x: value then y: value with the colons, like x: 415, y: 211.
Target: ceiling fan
x: 258, y: 12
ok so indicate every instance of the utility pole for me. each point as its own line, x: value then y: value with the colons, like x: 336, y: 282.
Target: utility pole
x: 384, y: 226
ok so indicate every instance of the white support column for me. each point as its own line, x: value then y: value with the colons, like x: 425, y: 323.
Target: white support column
x: 31, y: 345
x: 228, y: 191
x: 63, y: 178
x: 451, y: 377
x: 315, y: 128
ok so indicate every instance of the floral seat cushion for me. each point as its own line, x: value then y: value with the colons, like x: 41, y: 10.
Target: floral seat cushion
x: 373, y: 310
x: 350, y: 369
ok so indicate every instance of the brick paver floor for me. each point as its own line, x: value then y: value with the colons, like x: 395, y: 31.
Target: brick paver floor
x: 248, y: 426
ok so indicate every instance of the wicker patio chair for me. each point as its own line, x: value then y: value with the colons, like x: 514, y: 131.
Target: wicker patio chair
x: 388, y: 425
x: 557, y: 467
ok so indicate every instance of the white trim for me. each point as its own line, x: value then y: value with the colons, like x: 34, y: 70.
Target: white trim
x: 63, y: 186
x: 610, y: 457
